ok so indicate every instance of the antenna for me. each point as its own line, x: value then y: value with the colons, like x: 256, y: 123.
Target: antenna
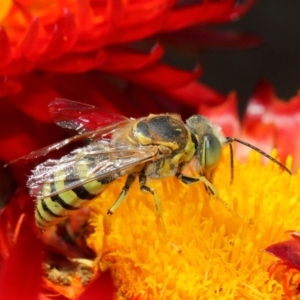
x: 229, y: 140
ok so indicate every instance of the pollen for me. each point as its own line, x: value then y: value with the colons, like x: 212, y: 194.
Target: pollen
x: 209, y: 247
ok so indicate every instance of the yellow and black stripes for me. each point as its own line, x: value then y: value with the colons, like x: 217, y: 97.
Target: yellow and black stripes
x: 50, y: 210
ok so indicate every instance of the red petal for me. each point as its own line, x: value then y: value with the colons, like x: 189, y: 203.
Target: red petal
x: 84, y: 16
x: 194, y: 94
x: 259, y: 135
x: 9, y: 86
x: 17, y: 67
x: 21, y: 273
x: 198, y: 37
x: 209, y: 11
x: 286, y: 117
x: 134, y: 21
x: 257, y: 129
x: 34, y: 42
x: 288, y: 251
x: 55, y: 46
x: 280, y: 120
x: 19, y: 204
x: 35, y: 97
x: 74, y: 63
x: 18, y: 129
x: 119, y: 59
x: 259, y: 103
x: 67, y: 25
x: 237, y: 11
x: 160, y: 76
x: 151, y: 101
x: 94, y: 89
x: 100, y: 289
x: 5, y: 49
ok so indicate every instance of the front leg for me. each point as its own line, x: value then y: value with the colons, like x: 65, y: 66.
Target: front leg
x: 192, y: 180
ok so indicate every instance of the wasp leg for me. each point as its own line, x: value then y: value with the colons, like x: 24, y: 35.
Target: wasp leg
x: 191, y: 180
x: 107, y: 218
x: 158, y: 207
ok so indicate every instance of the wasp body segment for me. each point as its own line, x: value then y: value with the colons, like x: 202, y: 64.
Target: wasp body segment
x: 51, y: 209
x: 153, y: 147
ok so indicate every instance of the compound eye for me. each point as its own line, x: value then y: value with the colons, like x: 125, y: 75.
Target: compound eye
x: 211, y: 151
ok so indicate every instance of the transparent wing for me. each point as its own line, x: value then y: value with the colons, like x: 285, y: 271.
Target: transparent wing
x: 81, y: 117
x: 92, y: 135
x: 100, y: 160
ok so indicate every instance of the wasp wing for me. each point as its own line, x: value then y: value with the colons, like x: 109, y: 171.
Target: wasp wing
x: 81, y: 117
x: 100, y: 160
x: 92, y: 135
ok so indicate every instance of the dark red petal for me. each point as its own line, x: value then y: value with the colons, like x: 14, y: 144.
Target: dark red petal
x: 35, y: 96
x: 198, y: 37
x: 207, y: 12
x: 74, y: 63
x: 67, y: 25
x: 100, y: 289
x: 93, y: 88
x: 55, y: 46
x: 122, y: 59
x: 16, y: 67
x: 9, y: 86
x: 288, y: 251
x: 5, y: 48
x: 20, y: 276
x: 152, y: 102
x: 19, y: 204
x: 194, y: 93
x: 21, y: 134
x: 160, y: 76
x: 15, y: 131
x: 237, y: 11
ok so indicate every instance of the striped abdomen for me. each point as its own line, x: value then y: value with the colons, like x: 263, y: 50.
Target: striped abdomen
x: 51, y: 210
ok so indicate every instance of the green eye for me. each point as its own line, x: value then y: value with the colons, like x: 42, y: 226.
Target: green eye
x: 211, y: 151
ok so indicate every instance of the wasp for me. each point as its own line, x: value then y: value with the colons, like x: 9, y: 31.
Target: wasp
x: 152, y: 147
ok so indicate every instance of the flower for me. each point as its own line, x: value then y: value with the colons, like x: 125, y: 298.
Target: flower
x: 220, y: 246
x: 220, y: 240
x: 85, y: 51
x: 76, y: 36
x: 95, y: 51
x: 287, y: 269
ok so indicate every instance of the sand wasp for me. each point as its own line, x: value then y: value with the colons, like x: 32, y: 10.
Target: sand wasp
x: 155, y: 147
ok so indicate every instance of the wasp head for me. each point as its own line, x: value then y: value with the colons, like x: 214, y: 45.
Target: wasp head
x: 208, y: 139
